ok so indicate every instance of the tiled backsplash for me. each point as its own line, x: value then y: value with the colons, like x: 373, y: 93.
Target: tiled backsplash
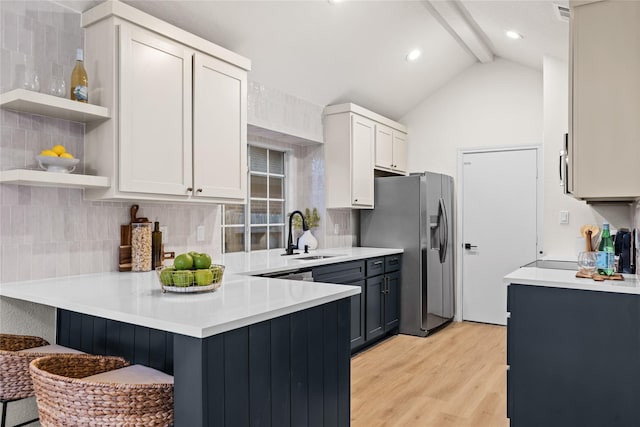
x: 51, y: 232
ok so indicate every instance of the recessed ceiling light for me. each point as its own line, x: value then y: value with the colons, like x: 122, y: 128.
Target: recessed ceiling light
x: 513, y: 34
x: 413, y: 55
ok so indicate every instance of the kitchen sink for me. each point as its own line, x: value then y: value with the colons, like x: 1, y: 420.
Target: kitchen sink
x: 312, y: 257
x: 554, y: 264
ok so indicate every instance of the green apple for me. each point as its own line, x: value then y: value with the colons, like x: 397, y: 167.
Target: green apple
x: 183, y: 278
x: 201, y: 261
x: 203, y: 277
x: 166, y: 276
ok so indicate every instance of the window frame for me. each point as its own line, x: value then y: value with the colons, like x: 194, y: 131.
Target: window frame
x: 248, y: 225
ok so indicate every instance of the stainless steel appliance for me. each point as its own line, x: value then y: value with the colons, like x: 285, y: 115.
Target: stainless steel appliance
x: 416, y: 213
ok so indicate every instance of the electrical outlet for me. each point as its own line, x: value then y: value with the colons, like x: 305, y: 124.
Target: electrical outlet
x: 336, y: 228
x: 165, y: 231
x: 564, y: 217
x: 200, y: 233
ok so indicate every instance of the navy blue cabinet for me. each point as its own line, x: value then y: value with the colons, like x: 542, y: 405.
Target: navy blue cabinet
x: 375, y: 313
x: 573, y: 357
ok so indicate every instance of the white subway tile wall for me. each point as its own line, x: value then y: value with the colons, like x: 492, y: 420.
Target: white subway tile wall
x: 276, y: 110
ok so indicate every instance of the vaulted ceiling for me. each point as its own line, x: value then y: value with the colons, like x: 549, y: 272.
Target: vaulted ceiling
x: 354, y: 51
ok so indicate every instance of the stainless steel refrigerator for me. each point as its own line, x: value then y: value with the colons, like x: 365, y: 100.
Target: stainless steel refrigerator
x: 416, y: 213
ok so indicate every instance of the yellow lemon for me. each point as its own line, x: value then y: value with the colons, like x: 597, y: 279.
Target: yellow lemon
x: 66, y: 156
x: 48, y: 153
x: 58, y: 149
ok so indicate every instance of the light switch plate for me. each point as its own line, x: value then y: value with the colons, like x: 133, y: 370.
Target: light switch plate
x: 200, y: 233
x: 564, y: 217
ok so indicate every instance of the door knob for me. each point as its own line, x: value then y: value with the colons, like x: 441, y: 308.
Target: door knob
x: 469, y: 246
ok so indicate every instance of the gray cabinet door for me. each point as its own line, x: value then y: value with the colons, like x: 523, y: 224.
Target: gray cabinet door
x: 357, y: 316
x: 392, y: 301
x: 375, y: 307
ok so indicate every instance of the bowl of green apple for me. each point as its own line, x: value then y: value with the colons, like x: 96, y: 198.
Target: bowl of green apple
x: 191, y: 272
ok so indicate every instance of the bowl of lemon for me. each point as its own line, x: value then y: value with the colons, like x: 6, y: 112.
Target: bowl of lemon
x: 57, y: 159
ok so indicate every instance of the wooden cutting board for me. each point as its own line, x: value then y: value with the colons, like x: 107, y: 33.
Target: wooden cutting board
x: 124, y: 252
x: 600, y: 278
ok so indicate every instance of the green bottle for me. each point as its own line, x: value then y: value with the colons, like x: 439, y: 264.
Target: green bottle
x: 606, y: 255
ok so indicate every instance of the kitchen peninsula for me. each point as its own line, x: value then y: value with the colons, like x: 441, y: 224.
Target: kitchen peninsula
x: 258, y: 350
x: 573, y: 347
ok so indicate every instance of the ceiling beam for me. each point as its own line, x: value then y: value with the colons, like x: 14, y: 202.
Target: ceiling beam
x: 453, y: 16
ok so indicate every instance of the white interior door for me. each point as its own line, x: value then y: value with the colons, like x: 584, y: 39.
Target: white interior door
x: 499, y: 227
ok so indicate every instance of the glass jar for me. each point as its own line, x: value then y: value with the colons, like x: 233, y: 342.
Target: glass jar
x: 141, y: 246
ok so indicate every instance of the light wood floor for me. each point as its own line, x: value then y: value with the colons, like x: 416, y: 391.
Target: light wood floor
x: 456, y: 377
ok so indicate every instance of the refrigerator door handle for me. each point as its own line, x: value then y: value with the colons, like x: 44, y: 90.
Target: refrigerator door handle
x: 444, y: 241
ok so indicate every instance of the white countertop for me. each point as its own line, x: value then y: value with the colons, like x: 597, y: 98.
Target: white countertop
x: 261, y: 262
x: 567, y: 279
x: 242, y: 300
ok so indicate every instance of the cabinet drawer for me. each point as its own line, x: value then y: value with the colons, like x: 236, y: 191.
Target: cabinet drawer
x: 392, y: 263
x: 345, y: 272
x: 375, y: 266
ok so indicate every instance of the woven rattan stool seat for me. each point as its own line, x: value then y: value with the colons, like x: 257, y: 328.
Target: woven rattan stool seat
x: 67, y: 399
x: 15, y: 381
x: 16, y: 352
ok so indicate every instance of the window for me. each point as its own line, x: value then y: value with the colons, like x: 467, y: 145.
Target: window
x: 263, y: 227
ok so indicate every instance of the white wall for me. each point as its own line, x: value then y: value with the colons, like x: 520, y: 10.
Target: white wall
x: 560, y: 240
x: 497, y: 104
x: 487, y: 105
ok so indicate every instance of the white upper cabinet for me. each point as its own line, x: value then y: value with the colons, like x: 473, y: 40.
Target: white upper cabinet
x: 220, y: 131
x: 357, y: 141
x: 348, y: 151
x: 362, y: 137
x: 155, y: 114
x: 391, y: 149
x: 179, y: 110
x: 604, y: 143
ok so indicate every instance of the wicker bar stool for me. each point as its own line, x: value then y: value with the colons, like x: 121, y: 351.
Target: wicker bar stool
x: 81, y: 390
x: 16, y: 352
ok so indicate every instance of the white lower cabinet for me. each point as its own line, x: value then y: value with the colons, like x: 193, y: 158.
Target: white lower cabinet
x: 179, y: 128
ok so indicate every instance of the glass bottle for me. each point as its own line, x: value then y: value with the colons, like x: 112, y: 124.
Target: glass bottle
x: 79, y: 80
x: 156, y: 245
x: 606, y: 253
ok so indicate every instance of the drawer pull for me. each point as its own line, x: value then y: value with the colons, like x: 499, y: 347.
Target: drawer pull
x: 377, y: 263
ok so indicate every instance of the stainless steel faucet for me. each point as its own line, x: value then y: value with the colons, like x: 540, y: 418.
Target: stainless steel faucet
x: 290, y: 246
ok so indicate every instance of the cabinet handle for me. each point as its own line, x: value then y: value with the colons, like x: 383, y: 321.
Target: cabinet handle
x: 189, y: 190
x: 377, y: 263
x: 199, y: 190
x: 355, y: 201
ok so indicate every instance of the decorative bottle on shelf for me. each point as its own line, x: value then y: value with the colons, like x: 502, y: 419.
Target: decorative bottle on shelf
x: 606, y: 253
x: 79, y: 80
